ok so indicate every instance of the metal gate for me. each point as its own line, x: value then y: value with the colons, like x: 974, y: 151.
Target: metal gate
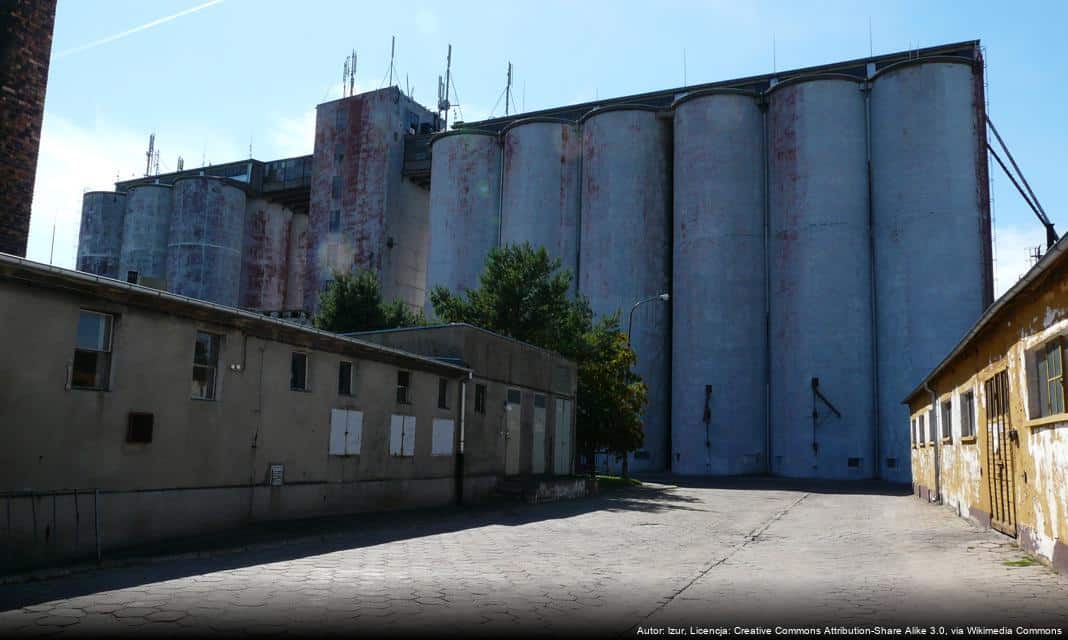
x: 999, y: 459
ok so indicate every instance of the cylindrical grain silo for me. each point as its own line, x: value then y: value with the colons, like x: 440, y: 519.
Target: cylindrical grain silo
x: 145, y: 234
x: 929, y: 218
x: 100, y: 239
x: 719, y: 342
x: 296, y: 262
x: 265, y: 255
x: 464, y: 208
x: 204, y: 249
x: 541, y: 192
x: 820, y: 280
x: 625, y: 246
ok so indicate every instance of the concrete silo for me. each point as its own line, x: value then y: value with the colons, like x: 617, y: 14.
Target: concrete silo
x: 204, y: 249
x: 719, y: 342
x: 625, y: 246
x: 265, y: 255
x: 145, y: 234
x: 820, y: 298
x: 295, y: 263
x: 100, y: 238
x: 541, y: 188
x: 464, y: 208
x: 931, y: 227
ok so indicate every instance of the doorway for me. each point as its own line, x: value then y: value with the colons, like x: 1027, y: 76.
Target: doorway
x: 999, y: 458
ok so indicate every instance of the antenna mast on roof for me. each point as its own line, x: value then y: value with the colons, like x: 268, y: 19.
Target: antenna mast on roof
x: 352, y: 74
x: 151, y: 157
x: 508, y: 91
x: 443, y: 90
x: 392, y: 53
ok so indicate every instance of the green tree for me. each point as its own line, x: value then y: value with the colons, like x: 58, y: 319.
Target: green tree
x: 523, y: 293
x: 353, y: 302
x: 610, y: 395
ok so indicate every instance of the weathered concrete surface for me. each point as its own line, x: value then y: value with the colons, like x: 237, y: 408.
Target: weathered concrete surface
x: 737, y: 552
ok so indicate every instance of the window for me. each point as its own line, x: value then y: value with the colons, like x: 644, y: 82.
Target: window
x: 514, y: 396
x: 344, y: 378
x: 854, y: 463
x: 335, y: 220
x: 401, y: 435
x: 205, y: 366
x: 139, y: 427
x: 92, y: 351
x: 947, y: 420
x: 1049, y: 363
x: 441, y: 442
x: 341, y: 117
x: 931, y: 426
x: 131, y: 277
x: 335, y: 187
x: 443, y: 393
x: 967, y: 415
x: 298, y: 373
x: 912, y: 432
x: 921, y: 432
x: 891, y: 463
x: 480, y: 398
x: 346, y: 432
x: 404, y: 382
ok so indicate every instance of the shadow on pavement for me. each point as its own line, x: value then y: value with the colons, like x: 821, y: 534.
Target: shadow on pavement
x: 773, y: 483
x: 293, y: 539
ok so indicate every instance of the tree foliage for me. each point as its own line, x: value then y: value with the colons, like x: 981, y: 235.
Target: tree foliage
x: 353, y: 302
x: 523, y: 293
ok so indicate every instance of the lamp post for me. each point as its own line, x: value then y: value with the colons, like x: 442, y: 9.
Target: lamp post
x: 663, y: 297
x: 630, y: 323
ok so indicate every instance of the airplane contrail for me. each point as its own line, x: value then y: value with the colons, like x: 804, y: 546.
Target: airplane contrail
x: 147, y: 25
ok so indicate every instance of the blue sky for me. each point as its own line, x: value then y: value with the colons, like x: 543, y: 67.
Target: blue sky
x: 213, y: 80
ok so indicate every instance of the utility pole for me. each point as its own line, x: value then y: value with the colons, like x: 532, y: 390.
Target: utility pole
x: 392, y: 52
x: 508, y: 91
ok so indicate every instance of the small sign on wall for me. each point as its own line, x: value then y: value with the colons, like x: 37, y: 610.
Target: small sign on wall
x: 277, y: 474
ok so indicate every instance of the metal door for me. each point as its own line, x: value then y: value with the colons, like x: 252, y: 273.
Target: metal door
x: 513, y: 409
x: 538, y: 448
x: 999, y: 458
x: 562, y: 439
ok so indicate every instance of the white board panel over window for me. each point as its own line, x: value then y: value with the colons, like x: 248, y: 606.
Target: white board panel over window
x: 408, y: 449
x: 338, y: 418
x: 346, y: 432
x: 354, y: 436
x: 396, y: 435
x: 441, y: 442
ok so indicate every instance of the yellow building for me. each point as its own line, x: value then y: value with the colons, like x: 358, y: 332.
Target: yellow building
x: 990, y: 426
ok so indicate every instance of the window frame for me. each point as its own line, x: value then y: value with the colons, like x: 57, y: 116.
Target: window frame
x: 443, y: 394
x: 307, y: 367
x: 946, y: 419
x: 480, y: 399
x: 967, y: 399
x: 108, y: 349
x: 341, y: 367
x: 214, y: 395
x: 404, y: 395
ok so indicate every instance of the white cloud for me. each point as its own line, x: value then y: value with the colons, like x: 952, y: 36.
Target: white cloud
x: 1013, y: 247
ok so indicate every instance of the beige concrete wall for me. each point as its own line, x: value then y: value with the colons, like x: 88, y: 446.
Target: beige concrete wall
x: 207, y: 466
x: 1040, y: 456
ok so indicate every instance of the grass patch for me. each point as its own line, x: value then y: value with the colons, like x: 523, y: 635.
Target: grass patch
x: 613, y: 482
x: 1022, y: 562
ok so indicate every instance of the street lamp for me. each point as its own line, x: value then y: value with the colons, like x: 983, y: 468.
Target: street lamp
x: 630, y: 323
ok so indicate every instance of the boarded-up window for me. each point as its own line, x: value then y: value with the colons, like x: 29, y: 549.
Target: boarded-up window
x: 346, y: 432
x: 401, y: 435
x: 441, y: 441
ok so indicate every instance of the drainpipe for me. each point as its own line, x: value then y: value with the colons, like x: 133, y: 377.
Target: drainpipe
x: 767, y: 287
x: 876, y: 445
x: 459, y: 478
x: 937, y: 442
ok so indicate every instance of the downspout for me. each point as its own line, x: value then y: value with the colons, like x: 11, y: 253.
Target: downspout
x: 763, y: 102
x: 937, y: 441
x: 876, y: 436
x: 459, y: 473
